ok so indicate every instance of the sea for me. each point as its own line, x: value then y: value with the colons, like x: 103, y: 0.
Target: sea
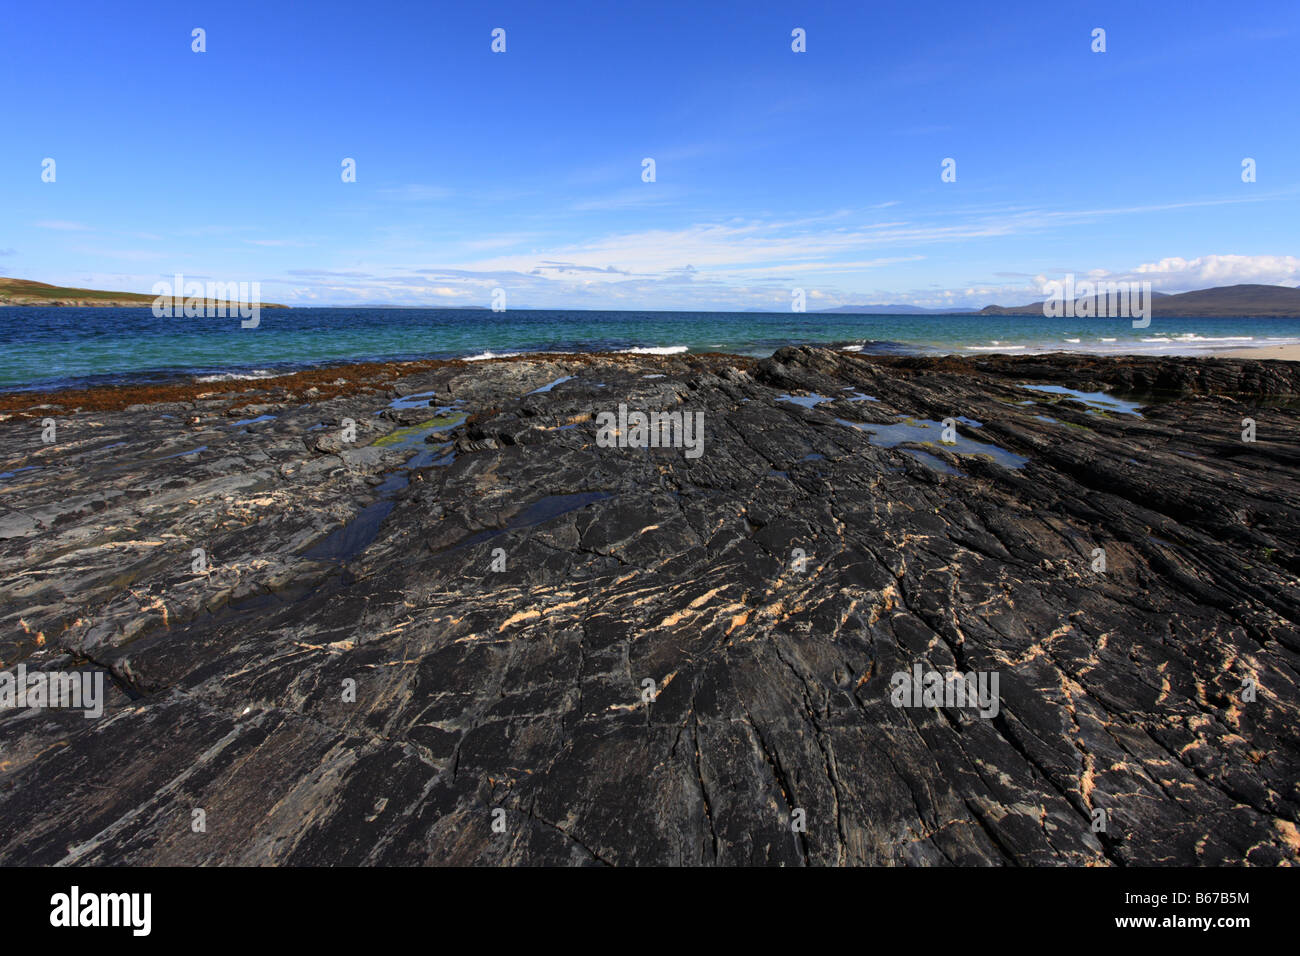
x: 42, y: 348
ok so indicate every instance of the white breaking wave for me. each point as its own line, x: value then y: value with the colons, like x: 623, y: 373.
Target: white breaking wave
x: 994, y: 348
x: 1170, y: 343
x: 851, y: 348
x: 239, y: 376
x: 484, y: 356
x: 655, y: 350
x: 1193, y: 337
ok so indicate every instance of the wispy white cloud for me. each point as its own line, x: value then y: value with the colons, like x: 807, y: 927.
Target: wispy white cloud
x: 1179, y: 274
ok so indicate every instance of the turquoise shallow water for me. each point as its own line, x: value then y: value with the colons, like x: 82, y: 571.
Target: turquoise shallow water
x: 44, y: 347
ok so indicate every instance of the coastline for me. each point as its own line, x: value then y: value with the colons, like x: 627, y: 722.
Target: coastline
x: 52, y: 349
x: 336, y: 379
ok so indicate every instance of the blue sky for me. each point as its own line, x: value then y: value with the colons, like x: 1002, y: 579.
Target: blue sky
x: 775, y: 170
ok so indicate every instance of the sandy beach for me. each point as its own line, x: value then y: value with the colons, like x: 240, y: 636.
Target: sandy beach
x: 1288, y: 353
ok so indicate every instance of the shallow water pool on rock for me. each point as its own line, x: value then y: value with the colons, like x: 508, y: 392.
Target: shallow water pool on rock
x: 550, y: 385
x: 1101, y: 401
x: 806, y: 401
x: 925, y: 431
x: 253, y: 421
x: 6, y: 475
x: 412, y: 436
x: 416, y: 400
x: 345, y: 543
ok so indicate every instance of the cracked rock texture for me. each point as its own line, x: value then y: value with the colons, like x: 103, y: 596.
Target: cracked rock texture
x: 453, y: 620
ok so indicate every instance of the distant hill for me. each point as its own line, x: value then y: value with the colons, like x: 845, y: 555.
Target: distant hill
x: 26, y: 292
x: 389, y: 305
x: 1228, y: 301
x: 893, y: 310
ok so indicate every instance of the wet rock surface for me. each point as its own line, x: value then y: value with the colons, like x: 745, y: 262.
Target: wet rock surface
x: 464, y: 632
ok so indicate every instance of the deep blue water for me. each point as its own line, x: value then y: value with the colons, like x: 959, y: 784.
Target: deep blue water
x: 60, y: 346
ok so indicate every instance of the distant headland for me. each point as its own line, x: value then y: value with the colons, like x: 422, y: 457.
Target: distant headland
x: 1229, y: 301
x: 26, y: 292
